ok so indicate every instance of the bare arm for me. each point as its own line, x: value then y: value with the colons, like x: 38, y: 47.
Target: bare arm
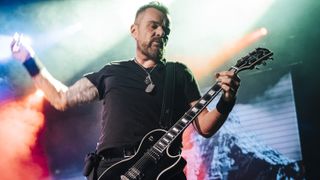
x: 62, y: 97
x: 59, y: 95
x: 209, y: 122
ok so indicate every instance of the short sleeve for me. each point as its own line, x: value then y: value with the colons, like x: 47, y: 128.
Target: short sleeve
x: 97, y: 79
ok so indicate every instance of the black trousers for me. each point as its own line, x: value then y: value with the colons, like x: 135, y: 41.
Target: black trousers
x: 106, y: 163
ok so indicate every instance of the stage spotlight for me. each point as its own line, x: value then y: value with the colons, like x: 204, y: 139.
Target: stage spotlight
x: 263, y: 31
x: 39, y: 93
x: 5, y: 52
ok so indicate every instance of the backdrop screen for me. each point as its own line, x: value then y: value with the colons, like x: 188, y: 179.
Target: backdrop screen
x: 260, y: 139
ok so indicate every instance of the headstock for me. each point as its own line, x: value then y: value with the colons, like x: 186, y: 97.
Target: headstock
x: 253, y: 59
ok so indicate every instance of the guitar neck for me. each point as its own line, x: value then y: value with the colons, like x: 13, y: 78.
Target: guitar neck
x: 250, y: 61
x: 188, y: 117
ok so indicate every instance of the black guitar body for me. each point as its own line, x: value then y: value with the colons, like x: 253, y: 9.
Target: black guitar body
x: 147, y: 163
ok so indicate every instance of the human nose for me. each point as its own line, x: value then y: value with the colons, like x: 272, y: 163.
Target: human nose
x: 160, y: 32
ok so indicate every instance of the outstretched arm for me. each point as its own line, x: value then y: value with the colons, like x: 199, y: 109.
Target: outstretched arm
x: 59, y: 95
x: 62, y: 97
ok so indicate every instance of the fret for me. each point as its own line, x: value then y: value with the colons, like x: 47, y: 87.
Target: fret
x: 199, y: 106
x: 207, y: 97
x: 187, y: 116
x: 170, y: 135
x: 166, y: 140
x: 173, y: 133
x: 157, y: 148
x: 181, y: 124
x: 191, y: 113
x: 175, y: 129
x: 211, y: 92
x: 202, y: 101
x: 157, y: 145
x: 161, y: 144
x: 184, y: 120
x: 216, y: 87
x: 194, y: 109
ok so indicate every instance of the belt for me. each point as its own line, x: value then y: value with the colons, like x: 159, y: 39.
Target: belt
x: 119, y: 152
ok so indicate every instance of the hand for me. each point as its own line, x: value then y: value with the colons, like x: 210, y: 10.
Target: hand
x: 229, y: 82
x: 19, y: 49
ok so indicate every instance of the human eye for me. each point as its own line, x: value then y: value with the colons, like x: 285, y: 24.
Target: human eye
x: 154, y: 25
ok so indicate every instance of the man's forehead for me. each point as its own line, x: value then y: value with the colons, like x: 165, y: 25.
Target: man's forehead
x: 152, y: 15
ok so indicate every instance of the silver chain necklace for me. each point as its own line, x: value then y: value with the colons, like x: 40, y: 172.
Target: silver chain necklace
x: 147, y: 80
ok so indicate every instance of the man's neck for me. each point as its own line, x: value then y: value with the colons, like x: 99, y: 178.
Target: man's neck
x: 146, y: 62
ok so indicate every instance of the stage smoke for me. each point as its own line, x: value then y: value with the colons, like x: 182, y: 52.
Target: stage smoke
x: 20, y: 123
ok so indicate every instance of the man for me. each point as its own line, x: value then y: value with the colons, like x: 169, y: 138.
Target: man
x: 133, y: 90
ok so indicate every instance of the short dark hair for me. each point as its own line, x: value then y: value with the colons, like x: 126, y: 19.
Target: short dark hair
x: 153, y: 4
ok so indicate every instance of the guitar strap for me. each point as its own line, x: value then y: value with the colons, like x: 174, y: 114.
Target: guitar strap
x: 168, y: 96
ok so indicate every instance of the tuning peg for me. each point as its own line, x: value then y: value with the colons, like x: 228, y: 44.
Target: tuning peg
x: 257, y: 68
x: 264, y: 63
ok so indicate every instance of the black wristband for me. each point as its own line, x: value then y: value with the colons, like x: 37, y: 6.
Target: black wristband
x: 225, y: 107
x: 32, y: 66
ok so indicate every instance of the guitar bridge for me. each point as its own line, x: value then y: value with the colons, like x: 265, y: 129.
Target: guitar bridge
x: 132, y: 174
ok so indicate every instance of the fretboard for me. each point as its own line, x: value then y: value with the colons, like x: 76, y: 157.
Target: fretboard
x: 188, y: 117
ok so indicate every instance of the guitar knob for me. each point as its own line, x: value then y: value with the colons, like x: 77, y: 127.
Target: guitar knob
x: 151, y: 138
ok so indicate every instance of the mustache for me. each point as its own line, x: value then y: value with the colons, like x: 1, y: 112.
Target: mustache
x: 159, y: 40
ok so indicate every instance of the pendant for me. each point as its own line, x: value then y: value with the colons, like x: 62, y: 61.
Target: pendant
x: 148, y: 80
x: 149, y: 83
x: 149, y: 88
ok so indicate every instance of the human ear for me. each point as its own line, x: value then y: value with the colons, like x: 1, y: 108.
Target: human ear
x: 133, y: 30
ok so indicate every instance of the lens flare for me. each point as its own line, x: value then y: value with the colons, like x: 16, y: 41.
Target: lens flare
x: 226, y: 53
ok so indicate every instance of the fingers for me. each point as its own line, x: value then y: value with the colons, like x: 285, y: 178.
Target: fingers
x: 228, y: 78
x: 225, y: 73
x: 229, y: 82
x: 16, y: 42
x: 20, y: 48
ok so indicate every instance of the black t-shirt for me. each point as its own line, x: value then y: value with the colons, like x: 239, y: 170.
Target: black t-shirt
x: 129, y: 112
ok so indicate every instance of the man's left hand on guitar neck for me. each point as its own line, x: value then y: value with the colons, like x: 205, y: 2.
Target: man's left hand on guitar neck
x: 229, y: 82
x: 208, y: 122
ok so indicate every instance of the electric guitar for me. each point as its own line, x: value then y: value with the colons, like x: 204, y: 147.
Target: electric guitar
x: 154, y: 158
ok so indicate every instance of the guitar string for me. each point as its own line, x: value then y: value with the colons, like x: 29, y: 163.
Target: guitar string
x: 144, y: 158
x: 139, y: 164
